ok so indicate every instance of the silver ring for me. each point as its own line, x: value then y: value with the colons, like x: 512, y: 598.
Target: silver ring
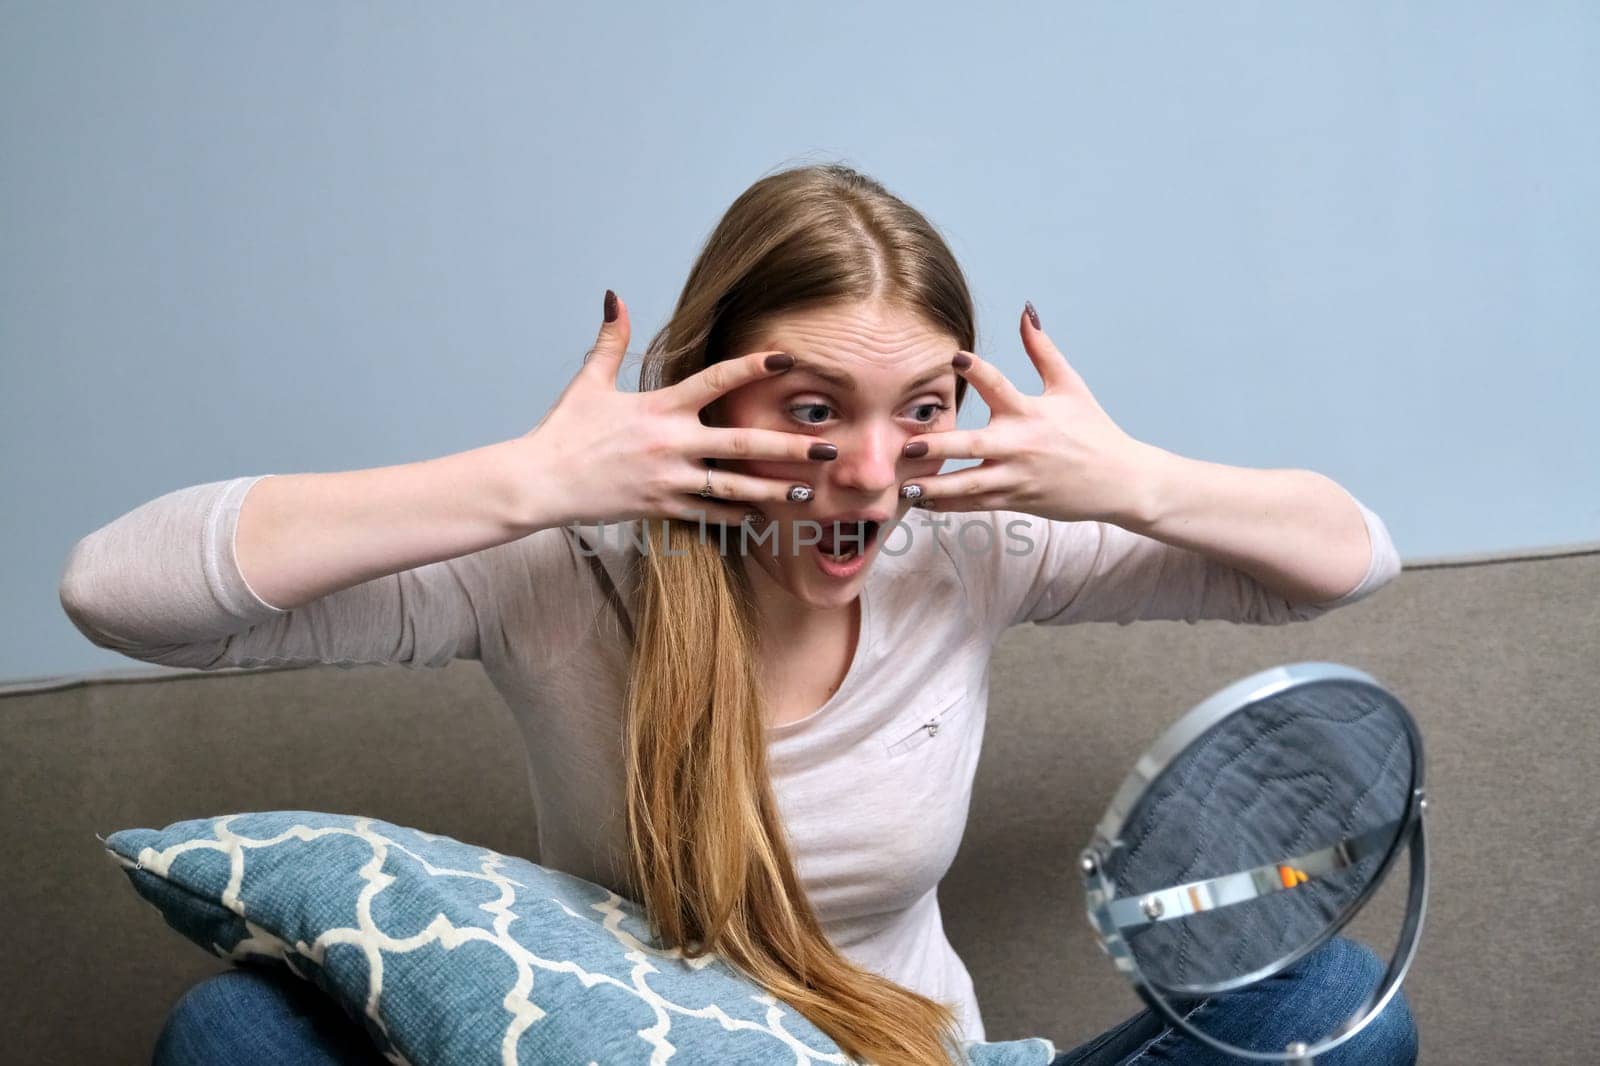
x: 706, y: 492
x: 799, y: 494
x: 911, y: 492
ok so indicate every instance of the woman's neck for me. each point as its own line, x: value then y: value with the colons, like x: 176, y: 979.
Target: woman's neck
x: 787, y: 620
x: 804, y: 652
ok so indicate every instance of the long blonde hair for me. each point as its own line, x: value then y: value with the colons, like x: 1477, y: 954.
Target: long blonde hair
x: 710, y: 859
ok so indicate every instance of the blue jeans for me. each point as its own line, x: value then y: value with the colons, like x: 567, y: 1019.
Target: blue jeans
x: 256, y: 1015
x: 1305, y: 1002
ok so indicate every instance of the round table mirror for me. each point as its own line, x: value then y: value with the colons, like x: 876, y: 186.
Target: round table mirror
x: 1253, y: 829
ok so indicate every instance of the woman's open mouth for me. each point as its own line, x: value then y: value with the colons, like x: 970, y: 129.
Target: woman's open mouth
x: 843, y: 547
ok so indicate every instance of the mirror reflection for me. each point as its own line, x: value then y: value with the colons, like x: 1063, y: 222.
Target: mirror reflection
x: 1263, y: 836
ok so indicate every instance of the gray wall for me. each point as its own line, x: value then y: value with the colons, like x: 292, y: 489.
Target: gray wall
x: 303, y: 237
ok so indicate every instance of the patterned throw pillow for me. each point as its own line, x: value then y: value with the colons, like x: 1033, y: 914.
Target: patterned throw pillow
x: 450, y: 953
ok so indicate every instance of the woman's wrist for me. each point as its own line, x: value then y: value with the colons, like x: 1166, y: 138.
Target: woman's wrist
x: 529, y: 484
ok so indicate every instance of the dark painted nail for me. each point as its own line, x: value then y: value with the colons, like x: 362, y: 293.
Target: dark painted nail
x: 779, y: 361
x: 822, y: 451
x: 961, y: 361
x: 1033, y: 316
x: 611, y: 306
x: 915, y: 449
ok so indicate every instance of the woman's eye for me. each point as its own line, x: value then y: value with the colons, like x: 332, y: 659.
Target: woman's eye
x: 799, y: 411
x: 798, y: 408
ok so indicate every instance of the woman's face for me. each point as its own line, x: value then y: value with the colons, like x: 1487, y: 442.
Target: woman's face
x: 867, y: 378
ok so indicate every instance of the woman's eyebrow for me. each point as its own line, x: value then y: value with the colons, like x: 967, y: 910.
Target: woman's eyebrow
x: 843, y: 380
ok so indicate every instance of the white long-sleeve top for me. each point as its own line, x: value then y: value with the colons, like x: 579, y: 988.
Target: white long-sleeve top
x: 873, y: 794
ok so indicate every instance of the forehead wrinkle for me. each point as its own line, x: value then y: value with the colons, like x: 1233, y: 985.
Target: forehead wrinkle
x: 881, y: 339
x: 815, y: 362
x: 843, y: 379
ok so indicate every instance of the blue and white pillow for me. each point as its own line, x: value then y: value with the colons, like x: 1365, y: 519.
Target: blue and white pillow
x: 450, y: 953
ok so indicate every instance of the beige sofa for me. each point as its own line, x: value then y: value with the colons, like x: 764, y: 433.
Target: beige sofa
x: 1498, y: 656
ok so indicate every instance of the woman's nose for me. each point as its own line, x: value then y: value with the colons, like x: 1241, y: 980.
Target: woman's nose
x: 868, y: 459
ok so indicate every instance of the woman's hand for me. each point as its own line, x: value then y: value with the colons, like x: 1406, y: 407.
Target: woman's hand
x: 1057, y: 455
x: 601, y: 454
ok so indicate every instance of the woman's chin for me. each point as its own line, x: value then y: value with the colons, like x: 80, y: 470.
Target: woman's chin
x: 824, y: 581
x: 803, y: 581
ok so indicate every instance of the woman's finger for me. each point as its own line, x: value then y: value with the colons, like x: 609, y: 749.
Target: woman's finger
x: 715, y: 442
x: 693, y: 509
x: 746, y: 488
x: 983, y: 501
x: 995, y: 388
x: 1058, y: 374
x: 605, y: 358
x: 705, y: 386
x: 948, y: 491
x: 951, y: 444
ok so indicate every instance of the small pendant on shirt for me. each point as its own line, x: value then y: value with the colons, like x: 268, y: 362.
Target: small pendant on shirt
x: 932, y: 728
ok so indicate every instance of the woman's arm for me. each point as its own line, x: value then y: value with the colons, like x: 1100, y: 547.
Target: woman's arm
x: 1297, y: 532
x: 1054, y: 572
x: 302, y: 536
x: 411, y: 564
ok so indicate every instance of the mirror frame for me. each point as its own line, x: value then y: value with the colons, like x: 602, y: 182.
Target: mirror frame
x: 1177, y: 739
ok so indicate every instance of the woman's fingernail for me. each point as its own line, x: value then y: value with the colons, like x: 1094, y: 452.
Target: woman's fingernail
x: 915, y: 449
x: 961, y: 361
x: 911, y: 492
x: 779, y: 361
x: 822, y: 451
x: 1033, y: 316
x: 611, y: 306
x: 799, y: 493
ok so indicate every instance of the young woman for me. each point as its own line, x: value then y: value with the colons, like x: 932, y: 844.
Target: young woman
x: 745, y: 622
